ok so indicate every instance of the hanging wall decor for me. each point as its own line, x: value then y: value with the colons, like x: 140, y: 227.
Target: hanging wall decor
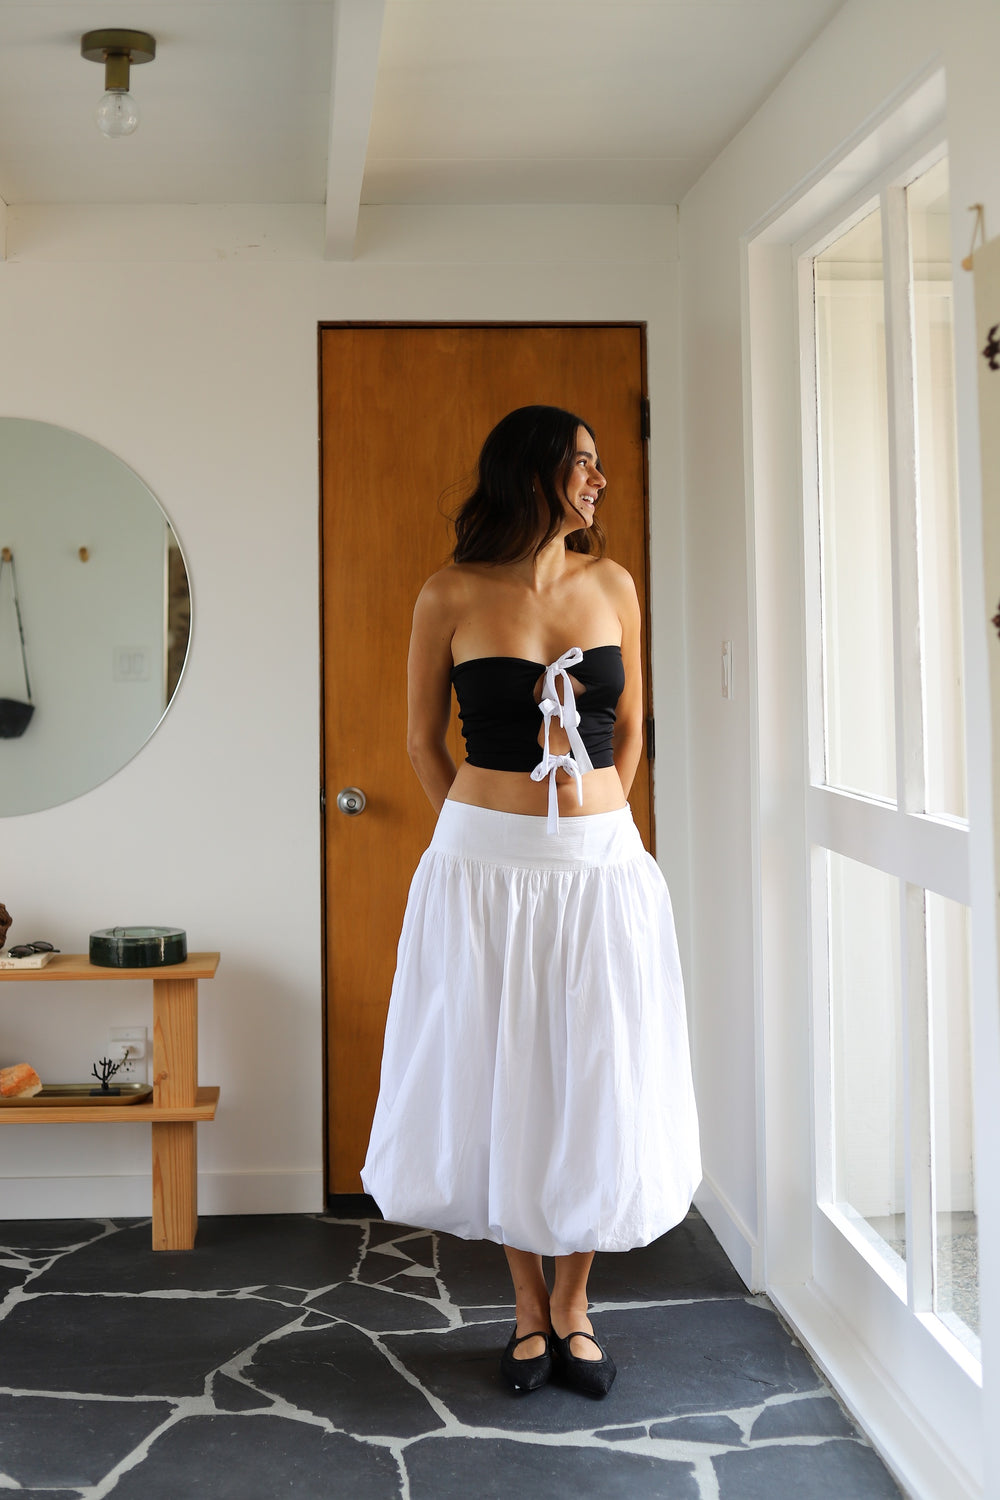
x: 15, y: 713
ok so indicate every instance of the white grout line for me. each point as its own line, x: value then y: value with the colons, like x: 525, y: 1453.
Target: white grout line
x: 705, y: 1477
x: 136, y: 1455
x: 404, y: 1473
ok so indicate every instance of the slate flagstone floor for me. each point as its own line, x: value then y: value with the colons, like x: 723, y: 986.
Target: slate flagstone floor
x: 314, y: 1357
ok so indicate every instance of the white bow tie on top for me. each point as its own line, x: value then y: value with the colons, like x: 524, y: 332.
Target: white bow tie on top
x: 578, y: 763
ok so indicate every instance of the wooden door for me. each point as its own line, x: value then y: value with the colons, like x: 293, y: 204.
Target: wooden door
x: 404, y: 412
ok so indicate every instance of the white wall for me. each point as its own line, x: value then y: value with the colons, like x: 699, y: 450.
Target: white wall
x: 214, y: 826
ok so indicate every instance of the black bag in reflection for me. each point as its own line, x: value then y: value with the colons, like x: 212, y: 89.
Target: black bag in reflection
x: 15, y: 717
x: 15, y: 714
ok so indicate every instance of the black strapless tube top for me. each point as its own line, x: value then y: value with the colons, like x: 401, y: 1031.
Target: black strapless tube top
x: 501, y: 720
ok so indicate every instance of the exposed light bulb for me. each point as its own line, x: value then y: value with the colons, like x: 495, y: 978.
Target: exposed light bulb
x: 117, y: 113
x: 117, y: 50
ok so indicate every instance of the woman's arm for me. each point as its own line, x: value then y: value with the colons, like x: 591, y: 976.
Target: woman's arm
x: 628, y: 720
x: 429, y: 687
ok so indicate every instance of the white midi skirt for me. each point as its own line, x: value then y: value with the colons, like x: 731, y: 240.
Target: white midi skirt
x: 536, y: 1080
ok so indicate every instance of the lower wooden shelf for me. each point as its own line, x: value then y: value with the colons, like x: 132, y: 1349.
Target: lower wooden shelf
x: 173, y: 1127
x: 204, y: 1107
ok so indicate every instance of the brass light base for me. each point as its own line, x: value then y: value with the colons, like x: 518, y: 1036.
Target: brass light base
x: 117, y: 48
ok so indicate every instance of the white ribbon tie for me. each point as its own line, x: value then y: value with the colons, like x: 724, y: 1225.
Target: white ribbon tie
x: 551, y: 706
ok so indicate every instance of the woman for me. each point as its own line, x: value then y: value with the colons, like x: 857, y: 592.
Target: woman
x: 536, y: 1086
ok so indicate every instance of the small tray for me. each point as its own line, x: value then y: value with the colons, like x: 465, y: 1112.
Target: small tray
x: 35, y: 961
x: 56, y: 1094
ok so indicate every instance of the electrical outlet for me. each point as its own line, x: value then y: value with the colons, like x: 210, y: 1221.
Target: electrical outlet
x: 130, y: 1043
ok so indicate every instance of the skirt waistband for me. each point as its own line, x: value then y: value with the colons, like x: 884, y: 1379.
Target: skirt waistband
x: 520, y: 839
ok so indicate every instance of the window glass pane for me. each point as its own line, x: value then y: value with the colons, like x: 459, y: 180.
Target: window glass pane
x: 854, y: 513
x: 956, y: 1285
x: 937, y: 494
x: 867, y: 1054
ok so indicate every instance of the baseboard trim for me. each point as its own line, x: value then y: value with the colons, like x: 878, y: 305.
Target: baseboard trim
x: 731, y: 1232
x: 918, y: 1462
x: 128, y: 1195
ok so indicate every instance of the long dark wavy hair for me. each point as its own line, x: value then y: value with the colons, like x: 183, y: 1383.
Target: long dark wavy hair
x: 506, y: 519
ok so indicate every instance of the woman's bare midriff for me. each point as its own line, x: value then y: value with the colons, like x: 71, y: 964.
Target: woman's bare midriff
x: 515, y: 792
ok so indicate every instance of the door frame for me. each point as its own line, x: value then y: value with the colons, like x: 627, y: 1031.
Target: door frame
x: 351, y: 1204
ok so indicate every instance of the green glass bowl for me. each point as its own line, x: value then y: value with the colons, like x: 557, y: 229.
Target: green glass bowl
x: 138, y: 947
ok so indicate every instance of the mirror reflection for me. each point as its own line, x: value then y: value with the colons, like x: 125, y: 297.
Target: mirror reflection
x: 105, y: 611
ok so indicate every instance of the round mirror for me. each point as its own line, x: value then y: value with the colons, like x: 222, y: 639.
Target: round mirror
x: 95, y: 615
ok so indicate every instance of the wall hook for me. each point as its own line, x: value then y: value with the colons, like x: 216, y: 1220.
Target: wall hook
x: 84, y: 554
x: 7, y: 555
x: 978, y: 233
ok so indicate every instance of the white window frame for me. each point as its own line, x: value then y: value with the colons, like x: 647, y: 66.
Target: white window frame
x: 923, y: 1409
x: 922, y: 850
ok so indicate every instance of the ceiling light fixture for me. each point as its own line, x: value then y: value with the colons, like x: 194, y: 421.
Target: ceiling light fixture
x: 117, y: 49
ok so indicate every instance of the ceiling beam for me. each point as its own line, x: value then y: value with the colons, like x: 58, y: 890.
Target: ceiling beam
x: 357, y: 31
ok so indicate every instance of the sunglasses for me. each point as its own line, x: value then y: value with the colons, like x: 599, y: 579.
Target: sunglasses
x: 25, y: 950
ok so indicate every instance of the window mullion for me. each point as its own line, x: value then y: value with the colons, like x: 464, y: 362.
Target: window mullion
x: 824, y: 1128
x: 910, y: 776
x: 910, y: 781
x: 814, y: 602
x: 920, y: 1237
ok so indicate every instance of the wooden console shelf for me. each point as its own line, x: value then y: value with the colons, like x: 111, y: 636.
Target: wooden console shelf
x: 177, y: 1103
x: 142, y: 1113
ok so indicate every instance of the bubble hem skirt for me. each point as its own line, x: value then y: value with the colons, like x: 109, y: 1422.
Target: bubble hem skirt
x: 536, y: 1079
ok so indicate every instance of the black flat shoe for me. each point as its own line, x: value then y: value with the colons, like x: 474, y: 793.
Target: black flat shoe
x: 526, y: 1374
x: 594, y: 1377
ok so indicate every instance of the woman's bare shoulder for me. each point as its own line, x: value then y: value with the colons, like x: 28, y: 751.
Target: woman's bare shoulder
x: 445, y: 586
x: 614, y: 580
